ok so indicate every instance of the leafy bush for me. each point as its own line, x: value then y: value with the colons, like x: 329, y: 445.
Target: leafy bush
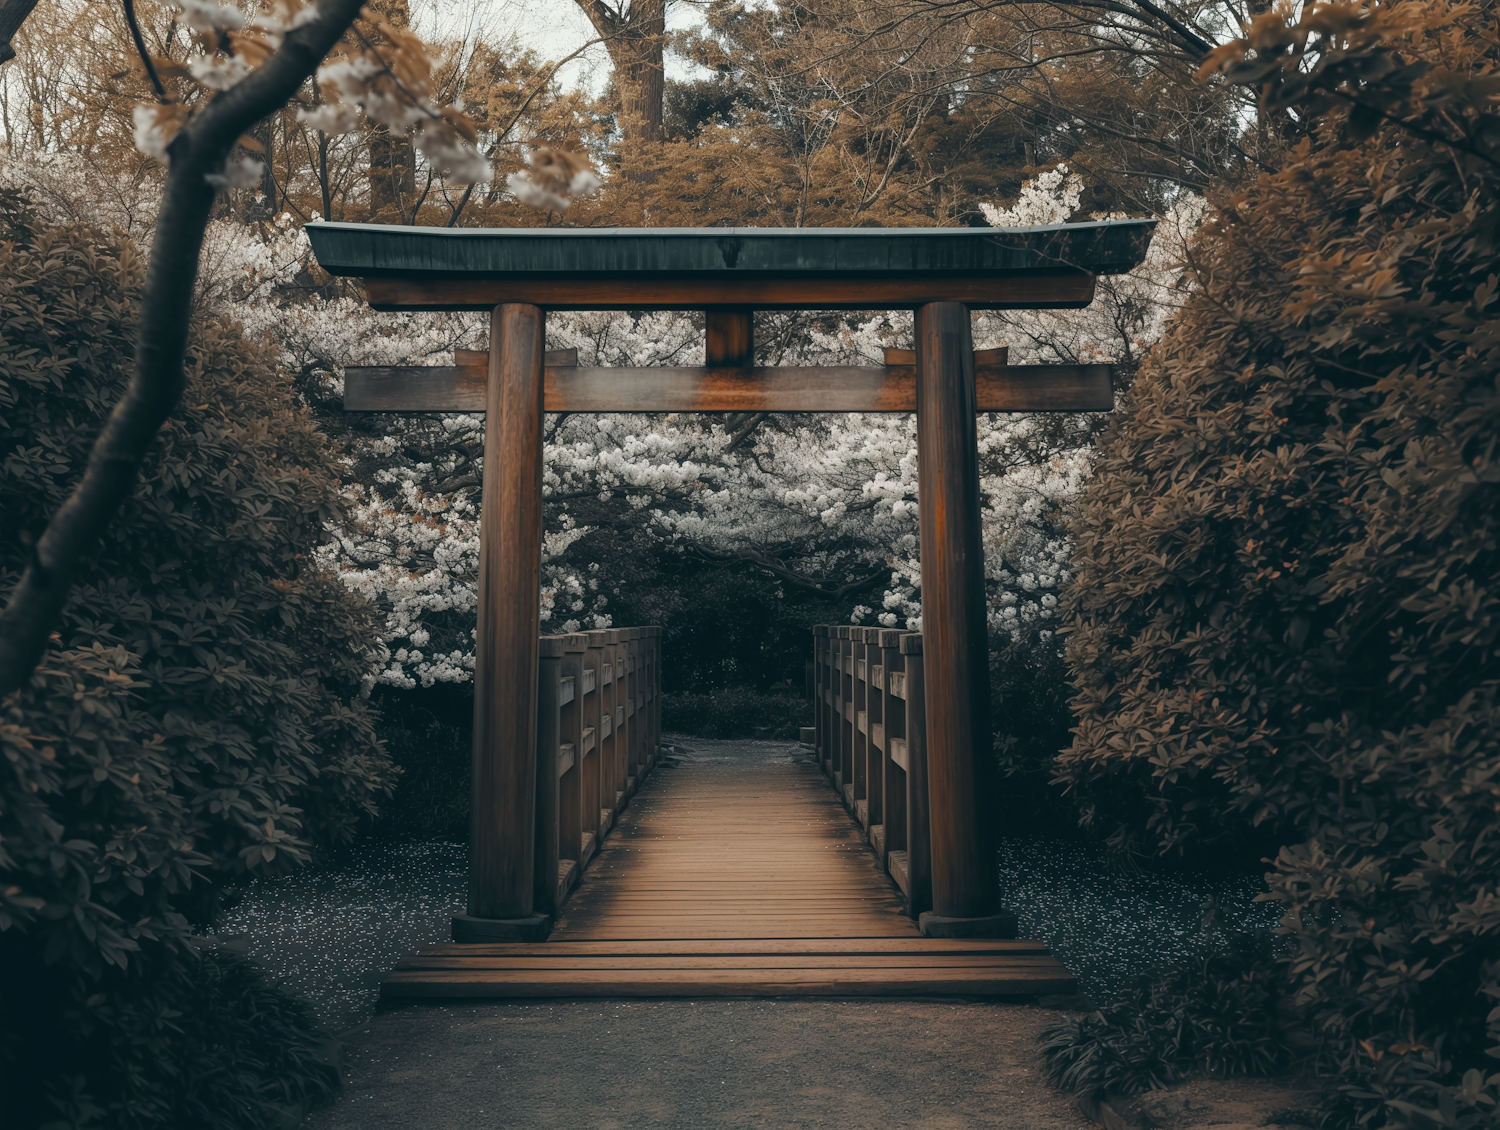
x: 1221, y: 1016
x: 430, y: 734
x: 200, y: 719
x: 1284, y: 614
x: 1029, y: 707
x: 736, y: 712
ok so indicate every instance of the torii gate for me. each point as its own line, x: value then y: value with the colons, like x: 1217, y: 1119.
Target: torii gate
x: 941, y: 273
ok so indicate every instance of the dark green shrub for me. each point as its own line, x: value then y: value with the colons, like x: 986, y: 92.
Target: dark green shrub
x: 201, y: 718
x: 1029, y: 693
x: 736, y: 712
x: 429, y: 732
x: 1285, y: 616
x: 1221, y: 1016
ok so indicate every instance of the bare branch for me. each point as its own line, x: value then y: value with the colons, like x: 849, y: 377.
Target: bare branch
x: 140, y: 48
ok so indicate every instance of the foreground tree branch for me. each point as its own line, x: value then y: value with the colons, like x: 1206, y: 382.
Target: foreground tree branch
x: 13, y: 14
x: 198, y: 152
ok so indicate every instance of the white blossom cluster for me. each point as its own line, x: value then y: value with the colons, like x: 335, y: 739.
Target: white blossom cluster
x: 826, y: 499
x: 1129, y: 312
x: 832, y: 498
x: 389, y: 82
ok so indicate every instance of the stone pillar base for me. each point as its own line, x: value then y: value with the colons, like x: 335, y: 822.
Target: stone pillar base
x: 532, y: 928
x: 1002, y: 925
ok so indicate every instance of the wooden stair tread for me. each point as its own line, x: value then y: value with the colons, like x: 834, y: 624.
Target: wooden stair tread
x: 1007, y: 962
x: 687, y: 947
x: 570, y: 983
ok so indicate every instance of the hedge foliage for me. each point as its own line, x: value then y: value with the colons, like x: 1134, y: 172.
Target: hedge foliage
x: 1285, y: 609
x: 199, y: 720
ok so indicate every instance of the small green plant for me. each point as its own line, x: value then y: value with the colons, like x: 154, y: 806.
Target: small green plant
x: 736, y: 712
x: 1223, y: 1015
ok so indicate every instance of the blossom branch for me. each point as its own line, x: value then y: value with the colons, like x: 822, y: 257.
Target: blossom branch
x: 198, y: 152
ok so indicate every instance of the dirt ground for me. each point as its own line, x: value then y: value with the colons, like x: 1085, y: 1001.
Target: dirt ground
x: 609, y: 1065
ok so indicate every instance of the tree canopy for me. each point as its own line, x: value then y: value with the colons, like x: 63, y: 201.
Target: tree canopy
x: 1281, y: 622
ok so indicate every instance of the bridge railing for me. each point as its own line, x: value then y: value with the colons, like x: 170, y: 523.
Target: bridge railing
x: 598, y: 727
x: 870, y: 739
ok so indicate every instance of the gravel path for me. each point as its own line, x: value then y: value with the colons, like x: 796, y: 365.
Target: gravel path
x: 701, y: 1065
x: 698, y: 1064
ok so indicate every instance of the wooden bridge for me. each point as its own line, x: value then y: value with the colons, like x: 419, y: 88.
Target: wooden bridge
x: 747, y: 878
x: 765, y: 872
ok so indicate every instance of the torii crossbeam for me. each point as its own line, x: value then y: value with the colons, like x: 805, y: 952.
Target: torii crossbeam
x: 940, y: 273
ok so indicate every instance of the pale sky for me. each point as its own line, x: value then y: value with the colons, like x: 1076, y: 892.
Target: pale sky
x: 553, y: 28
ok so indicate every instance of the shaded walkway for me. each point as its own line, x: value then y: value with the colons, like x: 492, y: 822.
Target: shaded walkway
x: 840, y: 1064
x: 734, y: 872
x: 701, y: 1065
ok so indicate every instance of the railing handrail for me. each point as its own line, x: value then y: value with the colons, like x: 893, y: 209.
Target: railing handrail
x: 870, y: 730
x: 598, y: 735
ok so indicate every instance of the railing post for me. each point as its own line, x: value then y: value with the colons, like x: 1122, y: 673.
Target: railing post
x: 548, y: 738
x: 502, y: 835
x: 843, y: 713
x: 965, y: 886
x: 633, y: 744
x: 597, y: 709
x: 855, y: 790
x: 613, y: 743
x: 571, y: 822
x: 653, y: 694
x: 835, y: 706
x: 643, y: 701
x: 918, y: 810
x: 892, y: 731
x: 820, y: 699
x: 874, y: 743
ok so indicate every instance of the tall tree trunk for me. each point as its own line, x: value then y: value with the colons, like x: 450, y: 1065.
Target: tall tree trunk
x: 634, y: 33
x: 265, y: 208
x: 393, y: 159
x: 393, y: 176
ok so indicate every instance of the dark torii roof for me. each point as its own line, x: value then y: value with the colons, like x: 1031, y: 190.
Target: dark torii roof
x: 685, y: 268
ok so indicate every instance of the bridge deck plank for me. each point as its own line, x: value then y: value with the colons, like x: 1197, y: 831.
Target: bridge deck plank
x: 733, y: 876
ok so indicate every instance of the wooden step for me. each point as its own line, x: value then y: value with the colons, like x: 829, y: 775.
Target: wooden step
x: 574, y: 984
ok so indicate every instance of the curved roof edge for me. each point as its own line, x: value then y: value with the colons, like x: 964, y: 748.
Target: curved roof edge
x: 1102, y: 247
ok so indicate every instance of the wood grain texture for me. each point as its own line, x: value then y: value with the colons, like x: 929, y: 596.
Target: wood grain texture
x: 729, y: 339
x: 1040, y: 290
x: 732, y: 876
x: 470, y: 358
x: 503, y: 810
x: 954, y: 642
x: 917, y: 842
x: 807, y: 388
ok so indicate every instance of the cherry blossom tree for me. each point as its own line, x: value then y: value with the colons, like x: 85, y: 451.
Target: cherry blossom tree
x: 243, y: 71
x: 818, y: 503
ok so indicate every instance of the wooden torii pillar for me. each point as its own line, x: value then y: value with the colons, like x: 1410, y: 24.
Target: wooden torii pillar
x: 940, y: 273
